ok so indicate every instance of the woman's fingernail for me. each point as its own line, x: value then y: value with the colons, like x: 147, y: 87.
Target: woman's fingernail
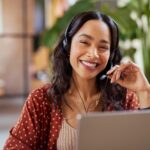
x: 108, y: 72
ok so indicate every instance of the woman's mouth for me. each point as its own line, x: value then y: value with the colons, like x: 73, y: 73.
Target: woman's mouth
x: 88, y: 64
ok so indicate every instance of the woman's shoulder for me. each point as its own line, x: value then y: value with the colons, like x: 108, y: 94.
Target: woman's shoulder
x: 41, y: 91
x: 39, y: 96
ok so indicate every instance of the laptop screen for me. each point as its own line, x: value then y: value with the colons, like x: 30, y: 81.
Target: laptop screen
x: 128, y: 130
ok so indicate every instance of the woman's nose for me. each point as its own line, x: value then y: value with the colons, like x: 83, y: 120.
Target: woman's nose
x: 94, y: 52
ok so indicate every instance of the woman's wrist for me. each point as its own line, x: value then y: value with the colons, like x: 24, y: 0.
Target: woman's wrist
x: 144, y: 98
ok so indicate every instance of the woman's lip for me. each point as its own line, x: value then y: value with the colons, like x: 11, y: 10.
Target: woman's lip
x: 88, y: 61
x: 89, y: 65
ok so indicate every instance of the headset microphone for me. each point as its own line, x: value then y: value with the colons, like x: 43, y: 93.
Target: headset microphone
x: 103, y: 77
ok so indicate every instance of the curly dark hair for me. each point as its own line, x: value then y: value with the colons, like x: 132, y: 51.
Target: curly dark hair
x: 112, y: 94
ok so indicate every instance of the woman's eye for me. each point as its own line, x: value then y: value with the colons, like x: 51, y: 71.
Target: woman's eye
x: 103, y: 49
x: 84, y: 42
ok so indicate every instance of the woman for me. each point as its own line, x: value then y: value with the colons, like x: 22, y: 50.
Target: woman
x: 87, y: 77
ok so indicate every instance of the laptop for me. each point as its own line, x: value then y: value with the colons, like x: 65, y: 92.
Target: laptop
x: 128, y: 130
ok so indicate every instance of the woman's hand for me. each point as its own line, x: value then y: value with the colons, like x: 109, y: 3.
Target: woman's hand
x: 129, y: 76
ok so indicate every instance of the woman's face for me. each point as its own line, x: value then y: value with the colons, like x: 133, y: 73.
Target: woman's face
x: 90, y: 49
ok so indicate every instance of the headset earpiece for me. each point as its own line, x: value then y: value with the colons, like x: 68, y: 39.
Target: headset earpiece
x: 65, y: 40
x: 65, y: 44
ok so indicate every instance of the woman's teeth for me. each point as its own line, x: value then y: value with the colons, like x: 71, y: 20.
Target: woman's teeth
x: 89, y: 64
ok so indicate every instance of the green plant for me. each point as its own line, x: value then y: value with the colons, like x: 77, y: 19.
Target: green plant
x: 134, y: 23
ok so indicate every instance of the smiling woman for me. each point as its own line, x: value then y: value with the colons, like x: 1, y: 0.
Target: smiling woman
x: 86, y: 51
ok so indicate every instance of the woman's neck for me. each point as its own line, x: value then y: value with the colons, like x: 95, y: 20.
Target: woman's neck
x: 87, y: 88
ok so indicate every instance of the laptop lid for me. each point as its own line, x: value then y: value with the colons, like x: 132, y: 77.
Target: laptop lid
x: 114, y: 131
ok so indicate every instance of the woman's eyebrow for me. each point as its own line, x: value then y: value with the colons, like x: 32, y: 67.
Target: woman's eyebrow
x: 86, y: 35
x: 91, y: 38
x: 104, y: 41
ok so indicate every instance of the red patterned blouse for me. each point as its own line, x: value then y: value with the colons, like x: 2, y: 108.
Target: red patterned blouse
x: 40, y: 122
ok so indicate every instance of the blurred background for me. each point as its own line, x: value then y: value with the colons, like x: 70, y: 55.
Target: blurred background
x: 29, y: 30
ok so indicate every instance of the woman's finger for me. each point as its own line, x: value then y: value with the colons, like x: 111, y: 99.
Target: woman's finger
x: 114, y: 76
x: 118, y: 74
x: 112, y: 69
